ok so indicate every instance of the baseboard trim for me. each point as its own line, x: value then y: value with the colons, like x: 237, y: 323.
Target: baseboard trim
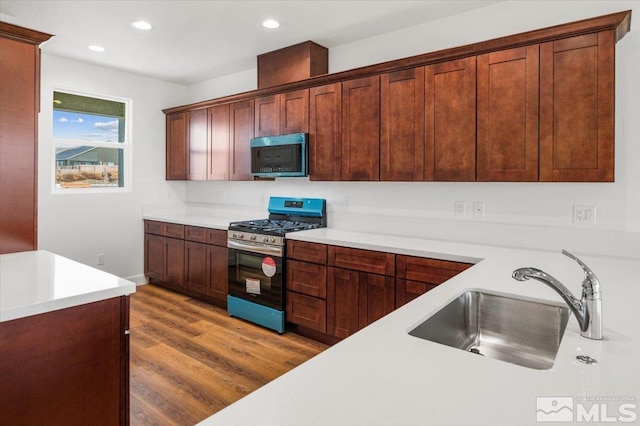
x: 138, y: 279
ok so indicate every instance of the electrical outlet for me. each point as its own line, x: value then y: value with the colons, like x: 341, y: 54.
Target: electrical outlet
x: 478, y: 208
x: 100, y: 259
x: 584, y: 215
x: 461, y: 208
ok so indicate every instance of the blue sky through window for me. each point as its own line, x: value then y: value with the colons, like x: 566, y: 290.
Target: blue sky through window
x: 85, y: 127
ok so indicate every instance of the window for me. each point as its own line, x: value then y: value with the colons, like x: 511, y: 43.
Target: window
x: 91, y: 142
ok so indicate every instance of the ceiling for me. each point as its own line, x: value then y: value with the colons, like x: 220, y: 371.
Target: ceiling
x: 193, y: 41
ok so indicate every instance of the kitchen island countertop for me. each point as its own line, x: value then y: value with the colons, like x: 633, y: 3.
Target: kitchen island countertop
x: 383, y: 376
x: 37, y: 282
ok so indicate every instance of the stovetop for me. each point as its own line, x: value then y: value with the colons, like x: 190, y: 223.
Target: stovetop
x: 272, y: 226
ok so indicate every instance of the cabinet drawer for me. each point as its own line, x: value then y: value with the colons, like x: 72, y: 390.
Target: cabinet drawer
x: 153, y: 227
x: 217, y: 237
x: 307, y: 278
x: 309, y: 252
x: 195, y: 233
x: 429, y: 271
x: 307, y: 311
x: 174, y: 230
x: 362, y: 260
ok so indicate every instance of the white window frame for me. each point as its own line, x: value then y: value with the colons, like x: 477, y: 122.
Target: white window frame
x: 126, y: 146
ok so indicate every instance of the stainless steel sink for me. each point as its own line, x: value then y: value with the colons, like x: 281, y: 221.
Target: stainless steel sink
x: 512, y: 329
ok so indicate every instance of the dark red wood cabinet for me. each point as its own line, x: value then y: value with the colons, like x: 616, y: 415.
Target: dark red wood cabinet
x: 577, y: 77
x: 19, y: 107
x: 177, y: 146
x: 508, y: 89
x: 282, y: 114
x: 361, y: 129
x: 67, y: 367
x: 325, y: 132
x: 188, y: 259
x: 240, y: 133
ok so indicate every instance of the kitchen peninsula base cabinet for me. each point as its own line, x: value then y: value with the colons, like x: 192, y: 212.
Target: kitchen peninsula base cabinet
x: 191, y: 260
x: 333, y: 291
x: 67, y: 367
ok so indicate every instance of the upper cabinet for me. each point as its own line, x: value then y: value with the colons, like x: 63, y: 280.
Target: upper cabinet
x: 282, y: 114
x: 508, y: 115
x: 361, y: 129
x: 176, y: 161
x: 536, y: 106
x: 450, y: 121
x: 241, y: 131
x: 577, y: 109
x: 325, y: 132
x: 402, y: 125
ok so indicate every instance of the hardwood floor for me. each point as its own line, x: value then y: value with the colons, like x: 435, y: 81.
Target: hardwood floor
x: 190, y: 359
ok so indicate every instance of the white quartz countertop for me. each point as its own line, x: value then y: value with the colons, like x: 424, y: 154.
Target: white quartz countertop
x: 205, y: 221
x: 36, y: 282
x: 383, y: 376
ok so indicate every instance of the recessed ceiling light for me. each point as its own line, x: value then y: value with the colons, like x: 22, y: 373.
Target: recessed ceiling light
x: 270, y: 23
x: 96, y: 48
x: 141, y: 25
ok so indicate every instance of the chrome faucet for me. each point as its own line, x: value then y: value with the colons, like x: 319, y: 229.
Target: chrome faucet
x: 588, y: 310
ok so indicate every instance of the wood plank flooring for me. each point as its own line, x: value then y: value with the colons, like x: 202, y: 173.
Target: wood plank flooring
x: 190, y: 359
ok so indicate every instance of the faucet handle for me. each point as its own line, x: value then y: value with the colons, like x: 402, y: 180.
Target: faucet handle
x: 591, y: 284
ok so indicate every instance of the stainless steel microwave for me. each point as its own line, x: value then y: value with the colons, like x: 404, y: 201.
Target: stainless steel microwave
x: 278, y: 156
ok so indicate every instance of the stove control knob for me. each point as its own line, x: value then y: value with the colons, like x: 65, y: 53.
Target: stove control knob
x: 265, y: 239
x: 234, y: 235
x: 272, y: 239
x: 252, y: 237
x: 240, y: 235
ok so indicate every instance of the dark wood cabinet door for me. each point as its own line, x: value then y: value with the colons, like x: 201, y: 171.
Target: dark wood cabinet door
x: 325, y: 132
x: 218, y: 153
x: 154, y: 256
x: 198, y: 144
x: 377, y: 297
x: 19, y: 105
x: 342, y: 302
x: 307, y: 311
x: 174, y: 261
x: 402, y: 125
x: 577, y: 109
x: 508, y: 88
x: 294, y: 112
x: 217, y: 272
x: 361, y: 129
x: 195, y: 260
x: 176, y: 146
x: 267, y: 116
x: 307, y: 278
x: 241, y: 131
x: 450, y: 121
x: 218, y: 147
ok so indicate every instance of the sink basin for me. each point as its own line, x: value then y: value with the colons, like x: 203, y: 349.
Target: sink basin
x: 513, y: 329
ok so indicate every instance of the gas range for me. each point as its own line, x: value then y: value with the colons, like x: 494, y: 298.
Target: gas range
x: 257, y: 263
x: 285, y: 215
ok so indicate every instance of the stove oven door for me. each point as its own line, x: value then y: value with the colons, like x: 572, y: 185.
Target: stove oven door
x: 256, y: 277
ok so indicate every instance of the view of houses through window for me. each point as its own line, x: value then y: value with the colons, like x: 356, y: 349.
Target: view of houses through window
x: 90, y: 137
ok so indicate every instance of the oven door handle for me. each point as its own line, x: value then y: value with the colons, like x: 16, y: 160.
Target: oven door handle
x: 255, y: 248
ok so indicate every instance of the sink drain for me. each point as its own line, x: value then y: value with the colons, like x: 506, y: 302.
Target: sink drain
x: 586, y: 359
x: 475, y: 351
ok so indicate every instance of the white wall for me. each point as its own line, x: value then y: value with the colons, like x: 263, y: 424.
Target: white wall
x: 531, y: 214
x: 80, y: 226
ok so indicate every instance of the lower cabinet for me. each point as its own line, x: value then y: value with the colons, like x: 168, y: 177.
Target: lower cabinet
x: 337, y: 291
x: 356, y: 299
x: 196, y: 264
x: 67, y: 367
